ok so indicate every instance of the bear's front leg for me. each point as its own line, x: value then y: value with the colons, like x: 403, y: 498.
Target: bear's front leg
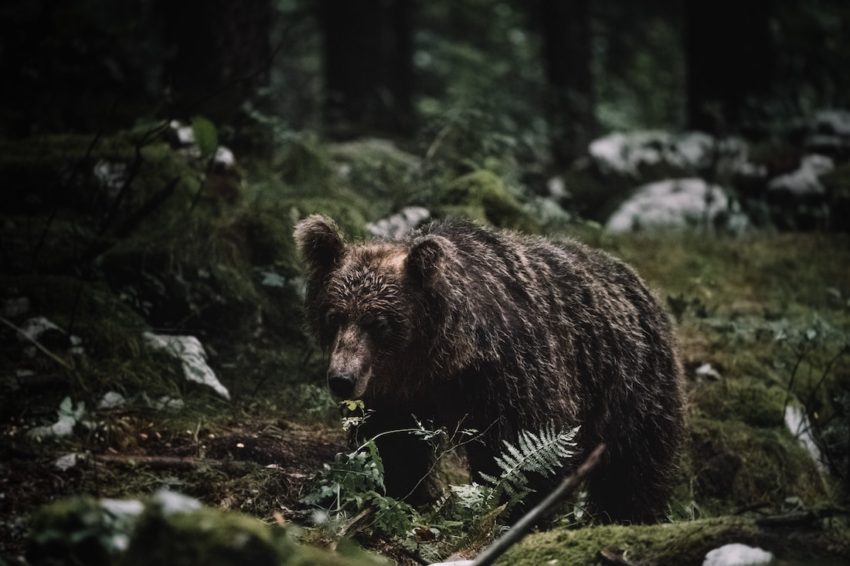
x: 408, y: 460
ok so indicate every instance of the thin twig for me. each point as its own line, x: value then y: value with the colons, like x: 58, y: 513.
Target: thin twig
x: 37, y: 344
x: 446, y: 451
x: 519, y: 530
x: 168, y: 462
x: 800, y: 357
x: 826, y: 371
x: 75, y: 168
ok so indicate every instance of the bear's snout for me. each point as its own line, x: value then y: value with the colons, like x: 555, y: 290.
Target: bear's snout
x: 341, y: 383
x: 350, y: 364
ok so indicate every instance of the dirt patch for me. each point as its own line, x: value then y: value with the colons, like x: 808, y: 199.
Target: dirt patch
x: 260, y: 468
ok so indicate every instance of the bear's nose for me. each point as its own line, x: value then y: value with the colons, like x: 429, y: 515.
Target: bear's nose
x: 341, y: 383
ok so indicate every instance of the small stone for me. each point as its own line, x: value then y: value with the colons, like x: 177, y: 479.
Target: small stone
x: 805, y: 180
x: 171, y: 502
x: 737, y: 555
x: 707, y: 371
x: 66, y: 462
x: 399, y: 225
x: 111, y: 400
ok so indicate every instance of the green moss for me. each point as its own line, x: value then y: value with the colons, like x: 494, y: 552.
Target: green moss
x: 205, y: 536
x: 83, y: 530
x: 734, y: 465
x: 75, y: 530
x: 209, y: 536
x: 744, y: 400
x: 672, y: 543
x: 304, y: 162
x: 377, y: 170
x: 483, y: 196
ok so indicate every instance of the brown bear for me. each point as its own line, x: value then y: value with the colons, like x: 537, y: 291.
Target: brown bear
x: 501, y: 332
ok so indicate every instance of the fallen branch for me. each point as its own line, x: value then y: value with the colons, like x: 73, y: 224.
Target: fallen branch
x: 357, y: 522
x: 156, y: 461
x: 799, y: 518
x: 169, y: 462
x: 519, y: 530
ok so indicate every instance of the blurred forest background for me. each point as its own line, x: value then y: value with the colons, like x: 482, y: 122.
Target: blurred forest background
x: 154, y: 156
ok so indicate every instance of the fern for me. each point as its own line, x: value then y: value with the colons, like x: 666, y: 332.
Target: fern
x: 543, y: 453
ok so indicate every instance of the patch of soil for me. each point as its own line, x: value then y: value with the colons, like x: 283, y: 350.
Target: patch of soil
x: 259, y: 467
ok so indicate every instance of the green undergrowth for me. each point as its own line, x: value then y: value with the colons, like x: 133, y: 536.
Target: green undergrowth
x: 112, y: 353
x: 484, y: 197
x: 770, y: 315
x: 676, y: 543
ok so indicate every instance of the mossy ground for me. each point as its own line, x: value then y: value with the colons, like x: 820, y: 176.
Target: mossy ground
x: 678, y: 543
x: 759, y: 309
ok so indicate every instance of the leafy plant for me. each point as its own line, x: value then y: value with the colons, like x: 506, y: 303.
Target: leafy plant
x: 354, y: 483
x: 206, y: 135
x: 352, y: 487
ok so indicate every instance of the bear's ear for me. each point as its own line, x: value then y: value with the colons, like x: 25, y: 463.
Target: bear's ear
x: 319, y: 242
x: 425, y: 258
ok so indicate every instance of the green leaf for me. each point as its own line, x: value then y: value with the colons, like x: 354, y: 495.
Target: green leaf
x: 353, y: 404
x: 206, y: 136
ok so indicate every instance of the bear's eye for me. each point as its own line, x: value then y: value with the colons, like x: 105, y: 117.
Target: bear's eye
x: 379, y: 324
x: 334, y: 319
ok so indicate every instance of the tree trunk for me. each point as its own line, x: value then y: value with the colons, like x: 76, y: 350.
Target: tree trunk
x: 729, y: 60
x: 567, y: 57
x: 221, y: 54
x: 368, y: 66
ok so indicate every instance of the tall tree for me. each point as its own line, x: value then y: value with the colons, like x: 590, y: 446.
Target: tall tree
x: 729, y: 60
x: 567, y: 55
x: 221, y: 53
x: 368, y: 66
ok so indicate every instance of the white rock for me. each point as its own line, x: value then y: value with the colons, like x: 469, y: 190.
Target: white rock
x: 224, y: 157
x: 804, y: 181
x: 68, y: 416
x: 829, y: 130
x: 191, y: 353
x: 34, y: 327
x: 707, y: 371
x: 166, y: 403
x: 676, y: 203
x: 110, y: 175
x: 737, y: 555
x: 557, y: 188
x: 185, y: 134
x: 66, y: 462
x: 76, y: 345
x: 798, y: 424
x: 172, y: 502
x: 627, y: 153
x: 123, y: 507
x: 399, y: 225
x: 111, y: 400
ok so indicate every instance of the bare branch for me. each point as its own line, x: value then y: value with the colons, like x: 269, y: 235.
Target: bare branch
x: 519, y: 530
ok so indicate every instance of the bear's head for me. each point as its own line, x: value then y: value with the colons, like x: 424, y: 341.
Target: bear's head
x: 370, y: 306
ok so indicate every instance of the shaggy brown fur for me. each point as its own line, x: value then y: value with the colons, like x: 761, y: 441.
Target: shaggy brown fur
x: 503, y: 332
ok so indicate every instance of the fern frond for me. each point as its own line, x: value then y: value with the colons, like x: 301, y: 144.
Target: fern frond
x: 541, y: 453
